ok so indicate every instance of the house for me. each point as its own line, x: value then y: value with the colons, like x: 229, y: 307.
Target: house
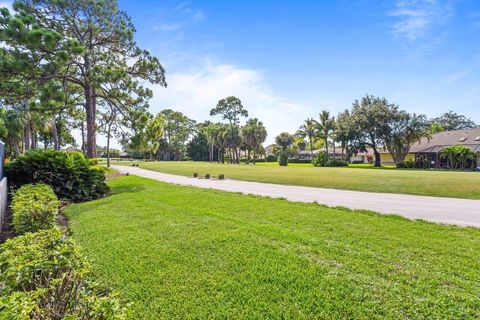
x: 427, y: 151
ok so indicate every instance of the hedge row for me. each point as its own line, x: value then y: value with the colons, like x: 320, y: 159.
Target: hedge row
x: 43, y: 276
x: 34, y: 207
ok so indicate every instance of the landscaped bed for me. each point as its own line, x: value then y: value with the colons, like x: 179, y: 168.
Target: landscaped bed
x: 456, y: 184
x: 182, y: 252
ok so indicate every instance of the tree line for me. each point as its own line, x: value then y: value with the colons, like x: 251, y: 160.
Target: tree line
x: 69, y: 65
x: 372, y: 123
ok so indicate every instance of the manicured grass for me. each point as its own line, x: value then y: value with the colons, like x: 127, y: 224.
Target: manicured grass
x: 419, y: 182
x: 187, y: 253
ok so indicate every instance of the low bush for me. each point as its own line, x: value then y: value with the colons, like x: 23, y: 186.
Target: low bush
x: 299, y: 161
x: 336, y: 163
x: 221, y: 176
x: 43, y: 276
x: 283, y: 160
x: 207, y: 176
x: 195, y: 174
x: 34, y: 207
x: 321, y: 160
x: 271, y: 158
x: 408, y: 163
x: 70, y: 174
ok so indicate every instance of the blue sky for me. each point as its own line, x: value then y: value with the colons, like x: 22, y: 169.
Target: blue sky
x: 288, y: 60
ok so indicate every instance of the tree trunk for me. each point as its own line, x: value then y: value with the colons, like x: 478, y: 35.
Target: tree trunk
x: 254, y: 155
x: 334, y: 157
x: 311, y: 147
x: 378, y: 161
x: 91, y: 111
x: 326, y: 145
x: 26, y: 136
x: 83, y: 137
x: 56, y: 141
x: 108, y: 144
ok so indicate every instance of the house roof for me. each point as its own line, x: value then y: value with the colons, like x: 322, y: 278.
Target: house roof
x: 469, y: 138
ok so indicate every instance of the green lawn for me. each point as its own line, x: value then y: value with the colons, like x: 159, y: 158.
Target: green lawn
x: 420, y: 182
x: 186, y: 253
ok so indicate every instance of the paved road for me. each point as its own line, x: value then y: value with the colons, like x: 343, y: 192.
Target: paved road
x: 461, y: 212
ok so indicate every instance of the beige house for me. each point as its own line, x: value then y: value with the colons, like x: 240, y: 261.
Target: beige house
x: 427, y: 151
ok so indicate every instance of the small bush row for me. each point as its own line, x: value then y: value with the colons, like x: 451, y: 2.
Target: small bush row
x: 43, y: 276
x: 34, y: 207
x: 70, y: 174
x: 207, y: 176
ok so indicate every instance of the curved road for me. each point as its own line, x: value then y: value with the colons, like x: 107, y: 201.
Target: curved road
x: 463, y: 212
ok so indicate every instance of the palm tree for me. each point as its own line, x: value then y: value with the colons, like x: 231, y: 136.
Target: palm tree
x: 284, y: 140
x: 220, y: 141
x: 309, y: 130
x: 210, y: 133
x: 325, y: 126
x: 254, y: 134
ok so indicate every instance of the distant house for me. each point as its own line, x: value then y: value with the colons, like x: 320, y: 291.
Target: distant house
x: 427, y: 151
x: 269, y: 150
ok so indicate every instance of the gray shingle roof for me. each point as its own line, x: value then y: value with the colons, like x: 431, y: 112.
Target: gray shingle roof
x: 469, y: 138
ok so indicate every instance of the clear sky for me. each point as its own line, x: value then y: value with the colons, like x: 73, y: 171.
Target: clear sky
x: 288, y: 60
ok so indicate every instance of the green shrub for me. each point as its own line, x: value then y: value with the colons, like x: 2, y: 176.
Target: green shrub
x: 408, y: 163
x: 271, y: 158
x: 195, y: 174
x: 43, y: 276
x: 221, y: 176
x: 70, y: 174
x: 321, y: 160
x: 34, y: 207
x: 299, y: 161
x: 283, y: 160
x: 336, y: 163
x: 207, y: 176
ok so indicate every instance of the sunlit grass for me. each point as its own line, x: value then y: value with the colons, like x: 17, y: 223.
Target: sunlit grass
x: 187, y: 253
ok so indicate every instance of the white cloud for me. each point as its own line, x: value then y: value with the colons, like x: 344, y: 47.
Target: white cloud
x: 415, y: 18
x: 195, y: 92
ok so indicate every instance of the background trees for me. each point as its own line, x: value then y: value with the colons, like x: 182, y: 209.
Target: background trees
x: 325, y: 126
x: 405, y: 129
x: 309, y: 129
x: 452, y: 121
x: 88, y: 44
x: 231, y: 109
x: 370, y: 118
x: 254, y: 134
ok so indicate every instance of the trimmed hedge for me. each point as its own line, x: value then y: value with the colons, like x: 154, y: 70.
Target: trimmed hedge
x: 70, y: 174
x: 283, y: 160
x: 43, y: 276
x: 299, y: 161
x: 34, y: 207
x: 271, y: 158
